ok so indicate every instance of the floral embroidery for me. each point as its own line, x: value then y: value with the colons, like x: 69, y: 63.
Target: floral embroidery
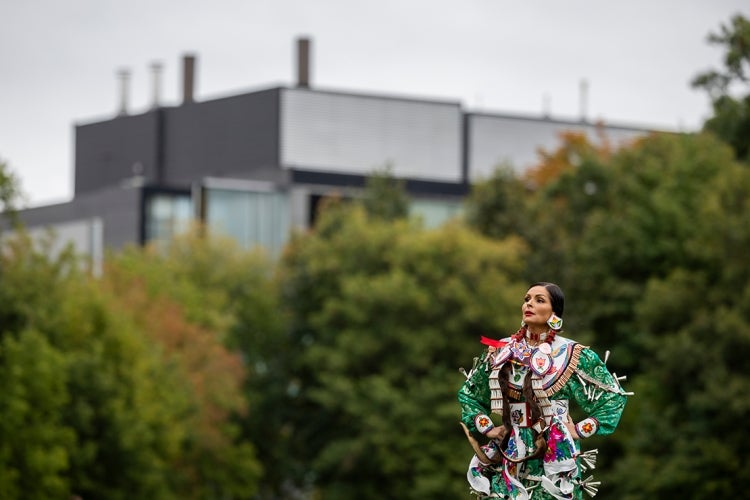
x: 587, y: 427
x: 521, y: 351
x: 512, y: 449
x: 558, y: 448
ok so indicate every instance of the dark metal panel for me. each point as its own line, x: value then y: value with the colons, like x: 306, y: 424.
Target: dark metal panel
x: 110, y: 152
x: 118, y: 208
x: 222, y: 136
x: 413, y: 186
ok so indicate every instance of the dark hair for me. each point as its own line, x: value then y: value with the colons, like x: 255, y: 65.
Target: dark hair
x: 556, y: 295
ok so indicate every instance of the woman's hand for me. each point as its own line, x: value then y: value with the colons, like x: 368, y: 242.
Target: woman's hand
x: 496, y: 432
x: 572, y: 429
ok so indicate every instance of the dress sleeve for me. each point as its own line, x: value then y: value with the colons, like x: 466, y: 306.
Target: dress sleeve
x: 474, y: 396
x: 598, y: 394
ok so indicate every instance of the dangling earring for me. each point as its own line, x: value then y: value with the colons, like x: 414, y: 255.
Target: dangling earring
x: 555, y: 322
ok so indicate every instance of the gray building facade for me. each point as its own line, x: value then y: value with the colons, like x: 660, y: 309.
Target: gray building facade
x: 255, y: 165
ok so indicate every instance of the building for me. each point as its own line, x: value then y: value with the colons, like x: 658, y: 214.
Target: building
x: 256, y: 165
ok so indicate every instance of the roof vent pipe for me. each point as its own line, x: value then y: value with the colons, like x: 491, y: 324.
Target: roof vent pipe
x: 584, y: 89
x: 124, y: 76
x: 188, y: 78
x: 156, y: 82
x: 303, y: 62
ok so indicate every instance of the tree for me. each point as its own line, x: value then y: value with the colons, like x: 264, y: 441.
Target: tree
x: 110, y: 390
x: 693, y: 388
x: 646, y: 242
x: 227, y: 350
x: 547, y: 206
x: 496, y: 206
x: 82, y: 411
x: 385, y: 197
x: 10, y: 191
x: 382, y: 314
x: 731, y: 120
x: 34, y: 440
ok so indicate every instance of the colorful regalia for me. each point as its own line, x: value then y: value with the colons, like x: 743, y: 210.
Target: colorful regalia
x: 559, y: 372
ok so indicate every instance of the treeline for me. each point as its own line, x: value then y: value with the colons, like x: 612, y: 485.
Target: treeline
x: 200, y: 370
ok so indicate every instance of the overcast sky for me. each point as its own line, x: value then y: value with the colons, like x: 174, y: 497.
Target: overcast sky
x: 59, y: 60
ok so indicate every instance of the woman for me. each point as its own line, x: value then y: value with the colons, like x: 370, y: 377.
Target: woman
x: 527, y: 380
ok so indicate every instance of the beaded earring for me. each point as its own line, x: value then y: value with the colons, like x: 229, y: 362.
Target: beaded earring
x: 555, y: 322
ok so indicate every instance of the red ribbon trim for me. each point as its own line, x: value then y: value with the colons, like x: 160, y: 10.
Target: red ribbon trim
x: 492, y: 342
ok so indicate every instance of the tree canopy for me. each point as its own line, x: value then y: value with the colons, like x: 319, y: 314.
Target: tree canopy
x: 383, y: 314
x: 10, y: 193
x: 109, y: 390
x: 727, y: 87
x: 649, y: 245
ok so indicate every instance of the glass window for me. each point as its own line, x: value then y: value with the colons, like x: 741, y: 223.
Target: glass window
x: 167, y: 215
x: 252, y: 218
x: 435, y: 212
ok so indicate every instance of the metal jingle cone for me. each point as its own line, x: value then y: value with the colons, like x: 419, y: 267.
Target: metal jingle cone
x: 590, y: 486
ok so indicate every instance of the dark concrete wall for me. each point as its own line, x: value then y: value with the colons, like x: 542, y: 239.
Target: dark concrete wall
x: 118, y: 207
x: 109, y: 152
x: 236, y: 134
x: 177, y: 146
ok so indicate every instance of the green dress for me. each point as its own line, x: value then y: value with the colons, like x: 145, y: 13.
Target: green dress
x: 563, y: 372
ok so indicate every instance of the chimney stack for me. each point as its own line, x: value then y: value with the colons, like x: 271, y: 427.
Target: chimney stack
x: 124, y: 77
x: 156, y: 75
x: 303, y: 62
x: 188, y: 78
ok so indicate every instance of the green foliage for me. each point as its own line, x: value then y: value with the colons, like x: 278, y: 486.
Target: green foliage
x: 733, y: 38
x: 649, y: 243
x: 231, y: 298
x: 109, y: 391
x: 85, y: 374
x: 612, y: 220
x: 385, y: 197
x: 496, y: 206
x: 731, y: 120
x: 129, y: 426
x: 10, y: 193
x: 695, y: 389
x: 638, y: 232
x: 383, y: 314
x: 570, y: 183
x: 34, y: 441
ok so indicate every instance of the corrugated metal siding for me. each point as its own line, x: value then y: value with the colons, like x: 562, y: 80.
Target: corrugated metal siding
x: 359, y: 134
x: 494, y: 140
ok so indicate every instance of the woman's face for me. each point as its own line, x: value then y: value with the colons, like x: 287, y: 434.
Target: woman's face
x: 536, y: 308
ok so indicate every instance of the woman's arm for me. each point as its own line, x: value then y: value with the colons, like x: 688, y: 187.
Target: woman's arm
x: 474, y: 399
x: 598, y: 394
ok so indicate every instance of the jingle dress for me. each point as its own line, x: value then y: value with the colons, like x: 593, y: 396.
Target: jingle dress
x: 564, y: 371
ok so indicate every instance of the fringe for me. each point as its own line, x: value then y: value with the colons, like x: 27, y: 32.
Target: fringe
x: 568, y: 372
